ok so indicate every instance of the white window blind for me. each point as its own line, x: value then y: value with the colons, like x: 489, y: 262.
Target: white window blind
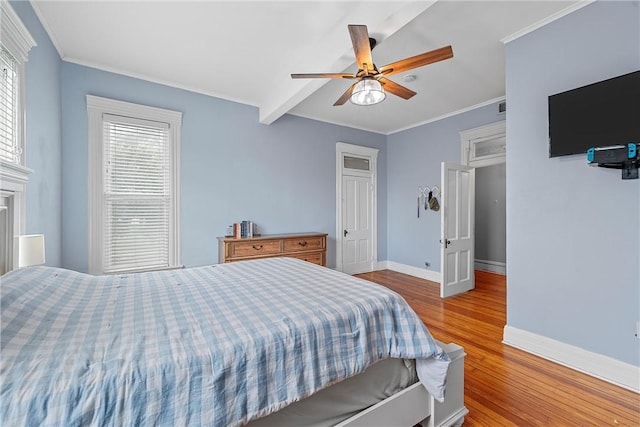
x: 10, y: 149
x: 134, y: 186
x: 137, y: 194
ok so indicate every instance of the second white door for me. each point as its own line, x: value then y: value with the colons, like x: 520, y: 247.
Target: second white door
x: 357, y: 233
x: 457, y: 229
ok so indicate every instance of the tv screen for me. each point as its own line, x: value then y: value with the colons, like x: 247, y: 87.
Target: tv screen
x: 597, y: 115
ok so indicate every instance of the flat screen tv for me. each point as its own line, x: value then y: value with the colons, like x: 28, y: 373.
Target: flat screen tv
x: 597, y: 115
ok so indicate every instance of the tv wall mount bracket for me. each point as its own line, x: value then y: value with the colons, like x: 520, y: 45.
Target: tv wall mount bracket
x: 625, y: 157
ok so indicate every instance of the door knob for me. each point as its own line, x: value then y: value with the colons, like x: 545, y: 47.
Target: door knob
x: 345, y: 233
x: 447, y: 242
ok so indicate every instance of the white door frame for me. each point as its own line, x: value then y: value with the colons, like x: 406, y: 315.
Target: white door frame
x: 342, y: 149
x: 470, y: 137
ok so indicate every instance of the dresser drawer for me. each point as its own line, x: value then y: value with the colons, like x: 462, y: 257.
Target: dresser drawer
x: 303, y: 244
x: 311, y: 247
x: 254, y: 248
x: 314, y: 257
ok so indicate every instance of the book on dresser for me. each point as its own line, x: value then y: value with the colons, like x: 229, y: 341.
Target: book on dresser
x: 311, y: 247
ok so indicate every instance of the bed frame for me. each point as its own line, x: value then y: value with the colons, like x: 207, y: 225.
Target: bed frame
x: 415, y: 405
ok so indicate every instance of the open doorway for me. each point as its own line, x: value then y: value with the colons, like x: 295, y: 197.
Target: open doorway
x: 491, y: 219
x: 485, y: 149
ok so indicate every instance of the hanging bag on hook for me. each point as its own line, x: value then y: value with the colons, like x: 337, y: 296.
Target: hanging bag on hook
x: 433, y: 203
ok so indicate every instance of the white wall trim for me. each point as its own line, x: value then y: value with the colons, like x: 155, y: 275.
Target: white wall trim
x: 597, y: 365
x: 13, y: 174
x: 434, y: 119
x: 433, y: 276
x: 492, y: 266
x: 547, y: 20
x: 14, y: 34
x: 47, y: 28
x: 451, y: 114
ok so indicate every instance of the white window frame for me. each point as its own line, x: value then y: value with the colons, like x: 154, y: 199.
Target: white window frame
x: 15, y: 38
x: 97, y: 107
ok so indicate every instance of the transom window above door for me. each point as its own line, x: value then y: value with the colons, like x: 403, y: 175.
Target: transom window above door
x: 484, y: 145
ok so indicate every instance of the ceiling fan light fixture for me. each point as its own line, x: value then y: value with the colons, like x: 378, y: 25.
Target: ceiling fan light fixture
x: 367, y: 91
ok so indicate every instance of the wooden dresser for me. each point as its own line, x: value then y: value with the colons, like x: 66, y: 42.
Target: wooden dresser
x: 310, y: 247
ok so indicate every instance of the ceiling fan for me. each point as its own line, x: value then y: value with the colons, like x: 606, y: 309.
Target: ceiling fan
x: 368, y: 89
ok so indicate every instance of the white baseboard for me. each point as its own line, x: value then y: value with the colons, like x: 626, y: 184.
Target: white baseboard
x: 422, y: 273
x: 492, y: 266
x: 436, y: 276
x: 594, y: 364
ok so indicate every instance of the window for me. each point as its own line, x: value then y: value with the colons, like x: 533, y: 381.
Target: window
x: 14, y: 48
x: 357, y: 163
x: 134, y: 189
x: 10, y: 147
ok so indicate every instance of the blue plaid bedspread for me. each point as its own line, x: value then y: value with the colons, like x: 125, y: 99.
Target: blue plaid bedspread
x: 216, y: 345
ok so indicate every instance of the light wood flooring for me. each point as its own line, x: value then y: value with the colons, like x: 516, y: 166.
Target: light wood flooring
x: 505, y: 386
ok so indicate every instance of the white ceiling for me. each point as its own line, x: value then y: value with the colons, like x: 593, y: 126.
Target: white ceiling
x: 245, y: 51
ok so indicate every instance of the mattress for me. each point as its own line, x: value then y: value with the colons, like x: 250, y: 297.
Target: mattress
x: 344, y: 399
x: 216, y: 345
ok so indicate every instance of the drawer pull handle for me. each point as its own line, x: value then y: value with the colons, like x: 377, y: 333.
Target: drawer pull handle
x: 257, y: 247
x: 303, y: 243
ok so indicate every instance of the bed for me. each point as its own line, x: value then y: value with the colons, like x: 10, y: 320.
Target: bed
x: 220, y: 345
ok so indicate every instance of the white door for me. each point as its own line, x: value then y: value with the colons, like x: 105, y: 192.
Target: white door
x: 457, y: 229
x: 357, y: 233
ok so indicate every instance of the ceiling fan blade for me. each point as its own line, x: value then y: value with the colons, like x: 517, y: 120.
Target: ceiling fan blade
x: 345, y: 96
x: 323, y: 76
x: 361, y: 46
x: 396, y: 89
x: 417, y: 61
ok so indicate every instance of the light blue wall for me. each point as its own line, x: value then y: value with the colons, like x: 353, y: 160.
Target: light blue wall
x: 280, y: 176
x: 572, y: 229
x: 414, y: 158
x: 43, y: 137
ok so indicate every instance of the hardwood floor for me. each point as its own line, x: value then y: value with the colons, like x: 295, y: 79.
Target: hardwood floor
x: 505, y: 386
